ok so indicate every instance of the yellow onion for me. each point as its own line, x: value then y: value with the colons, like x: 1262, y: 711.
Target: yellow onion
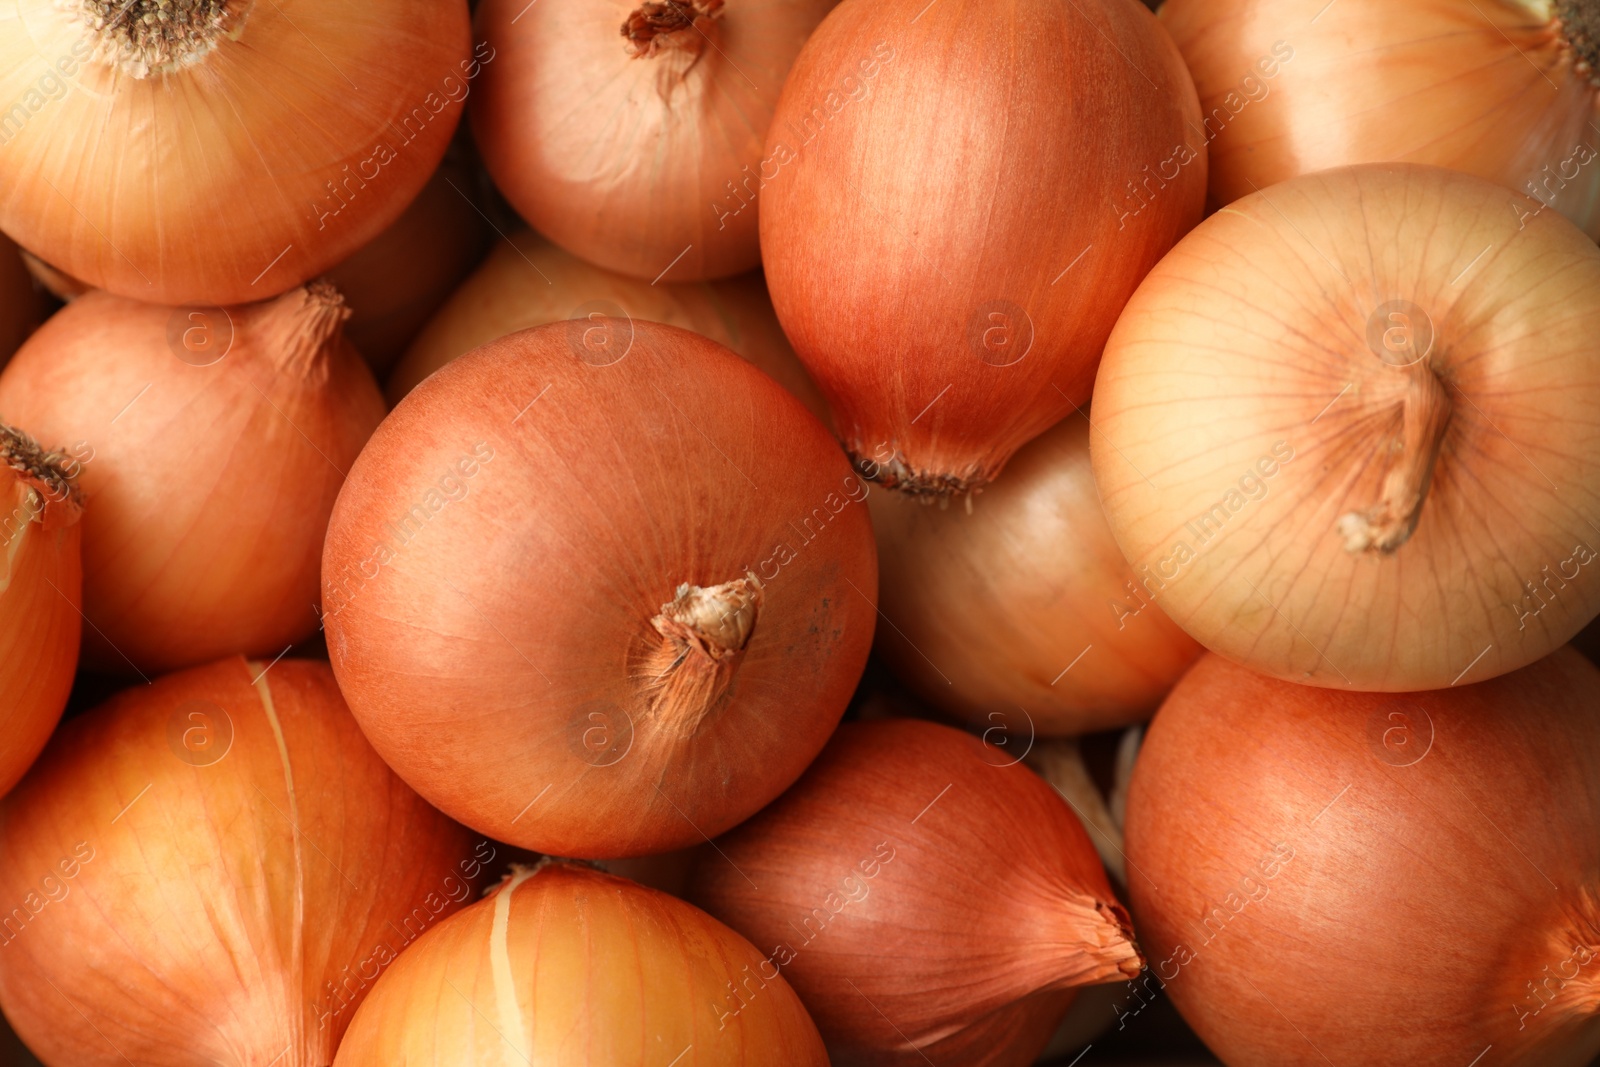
x: 221, y: 151
x: 22, y: 305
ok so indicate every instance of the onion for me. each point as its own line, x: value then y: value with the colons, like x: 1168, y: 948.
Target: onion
x: 218, y: 438
x: 40, y: 594
x: 957, y: 202
x: 922, y: 891
x: 566, y: 965
x: 22, y: 306
x: 1504, y: 89
x: 527, y: 281
x: 599, y: 588
x: 638, y: 150
x: 1308, y: 860
x: 1369, y: 458
x: 221, y: 151
x: 1023, y: 610
x: 214, y: 869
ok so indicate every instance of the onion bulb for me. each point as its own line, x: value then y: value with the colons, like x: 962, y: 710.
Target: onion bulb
x: 561, y: 964
x: 639, y: 150
x: 1023, y: 610
x: 958, y: 200
x: 1504, y: 89
x: 214, y: 441
x: 221, y: 151
x: 922, y: 890
x: 22, y: 305
x: 214, y: 868
x: 1305, y: 861
x: 600, y: 588
x: 527, y: 281
x: 1349, y: 430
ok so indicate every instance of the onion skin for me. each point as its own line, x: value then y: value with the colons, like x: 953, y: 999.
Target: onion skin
x: 522, y: 653
x: 950, y: 303
x: 574, y: 966
x: 1436, y: 849
x: 991, y: 610
x: 208, y: 879
x: 297, y: 109
x: 1489, y: 87
x: 195, y: 464
x: 527, y: 281
x: 22, y: 306
x: 1246, y: 431
x: 646, y: 165
x: 895, y: 823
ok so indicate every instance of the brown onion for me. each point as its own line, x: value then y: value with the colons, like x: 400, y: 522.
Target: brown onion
x: 214, y: 868
x: 1306, y: 863
x: 927, y: 897
x: 219, y: 438
x: 958, y: 200
x: 22, y: 306
x: 600, y: 588
x: 566, y: 965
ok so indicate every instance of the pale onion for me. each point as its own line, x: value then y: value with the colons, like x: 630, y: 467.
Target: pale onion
x: 1504, y: 89
x: 1020, y: 607
x: 214, y: 868
x: 561, y: 964
x: 22, y: 305
x: 41, y: 581
x: 630, y: 133
x: 1349, y: 430
x: 219, y: 439
x: 1303, y: 861
x: 221, y: 151
x: 527, y: 281
x: 600, y: 588
x: 922, y: 890
x: 959, y: 199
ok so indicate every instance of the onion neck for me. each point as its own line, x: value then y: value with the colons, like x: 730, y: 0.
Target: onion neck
x: 300, y: 330
x: 930, y: 487
x: 1389, y: 523
x: 1579, y: 22
x: 701, y: 636
x: 1096, y: 943
x: 50, y: 475
x: 144, y: 38
x: 658, y: 25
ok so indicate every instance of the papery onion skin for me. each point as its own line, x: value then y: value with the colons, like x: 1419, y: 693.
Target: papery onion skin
x: 220, y: 856
x: 574, y: 966
x: 958, y: 901
x: 648, y: 165
x: 514, y: 570
x: 1312, y: 858
x: 1490, y: 87
x: 22, y: 305
x: 272, y: 145
x: 527, y: 281
x: 1023, y: 612
x: 1245, y: 429
x: 955, y: 223
x: 215, y: 443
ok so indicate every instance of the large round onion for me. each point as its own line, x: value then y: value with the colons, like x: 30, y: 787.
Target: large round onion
x: 639, y: 150
x: 1310, y: 861
x: 600, y: 588
x: 1371, y: 458
x: 567, y: 965
x: 214, y: 868
x: 961, y: 198
x: 1022, y: 613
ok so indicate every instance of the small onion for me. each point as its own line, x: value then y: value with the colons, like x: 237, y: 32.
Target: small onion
x: 1023, y: 611
x: 22, y: 305
x: 1349, y: 430
x: 1352, y: 878
x: 560, y: 965
x: 638, y: 150
x: 221, y: 151
x: 921, y: 890
x: 600, y: 588
x: 957, y: 202
x: 214, y: 868
x: 213, y: 442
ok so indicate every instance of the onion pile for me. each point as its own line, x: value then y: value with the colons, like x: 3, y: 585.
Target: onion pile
x: 212, y: 443
x: 599, y: 588
x: 1372, y: 458
x: 214, y: 868
x: 946, y: 291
